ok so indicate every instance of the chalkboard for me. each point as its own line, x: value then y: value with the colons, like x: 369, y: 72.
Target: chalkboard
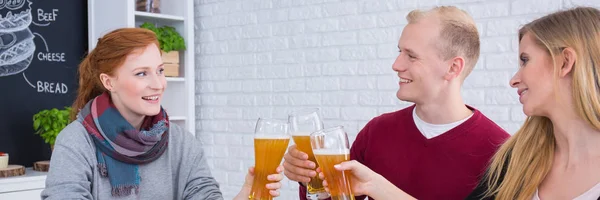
x: 41, y: 45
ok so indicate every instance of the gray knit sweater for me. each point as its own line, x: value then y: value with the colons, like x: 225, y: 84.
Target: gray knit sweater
x: 180, y: 173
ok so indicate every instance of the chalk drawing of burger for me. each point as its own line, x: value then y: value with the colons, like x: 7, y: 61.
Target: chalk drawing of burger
x: 16, y: 40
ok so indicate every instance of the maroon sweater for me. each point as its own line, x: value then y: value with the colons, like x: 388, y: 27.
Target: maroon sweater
x: 444, y: 167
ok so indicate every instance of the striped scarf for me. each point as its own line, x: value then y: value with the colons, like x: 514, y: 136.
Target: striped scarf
x: 120, y: 148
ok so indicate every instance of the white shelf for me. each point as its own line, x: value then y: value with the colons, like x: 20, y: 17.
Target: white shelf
x: 146, y: 16
x: 175, y: 79
x: 30, y: 181
x: 177, y: 118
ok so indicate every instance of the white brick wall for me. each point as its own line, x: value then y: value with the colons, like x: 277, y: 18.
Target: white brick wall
x: 264, y: 58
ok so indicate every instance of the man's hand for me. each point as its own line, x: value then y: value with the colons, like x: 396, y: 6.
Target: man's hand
x: 297, y: 167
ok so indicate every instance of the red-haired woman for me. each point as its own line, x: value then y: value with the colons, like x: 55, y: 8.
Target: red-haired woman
x: 121, y: 143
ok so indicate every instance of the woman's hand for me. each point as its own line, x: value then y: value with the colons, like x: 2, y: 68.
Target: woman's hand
x: 365, y: 181
x: 273, y: 187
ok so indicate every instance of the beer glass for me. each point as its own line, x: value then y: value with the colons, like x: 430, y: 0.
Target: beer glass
x: 302, y: 123
x: 331, y: 147
x: 271, y: 138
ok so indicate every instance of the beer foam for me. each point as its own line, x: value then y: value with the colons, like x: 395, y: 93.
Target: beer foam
x: 331, y: 151
x: 301, y: 133
x: 271, y: 137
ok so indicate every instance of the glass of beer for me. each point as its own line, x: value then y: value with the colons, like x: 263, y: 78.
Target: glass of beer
x: 302, y: 123
x: 331, y: 147
x: 271, y: 138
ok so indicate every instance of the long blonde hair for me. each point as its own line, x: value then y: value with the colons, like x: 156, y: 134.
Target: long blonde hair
x: 522, y: 163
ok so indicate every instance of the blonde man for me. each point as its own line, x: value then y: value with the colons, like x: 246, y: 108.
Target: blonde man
x: 439, y: 147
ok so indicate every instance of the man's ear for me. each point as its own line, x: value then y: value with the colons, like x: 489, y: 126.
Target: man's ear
x: 106, y: 81
x: 457, y: 65
x: 569, y: 57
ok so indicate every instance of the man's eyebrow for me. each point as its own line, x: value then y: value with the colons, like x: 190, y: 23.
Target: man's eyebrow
x: 406, y: 50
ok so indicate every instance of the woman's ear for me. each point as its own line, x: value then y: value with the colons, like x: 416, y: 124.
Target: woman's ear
x: 106, y: 81
x: 569, y: 57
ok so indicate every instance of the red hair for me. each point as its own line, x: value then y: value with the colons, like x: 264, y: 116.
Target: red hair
x: 110, y: 53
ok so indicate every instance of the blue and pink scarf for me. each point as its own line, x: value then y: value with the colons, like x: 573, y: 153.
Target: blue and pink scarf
x: 120, y: 148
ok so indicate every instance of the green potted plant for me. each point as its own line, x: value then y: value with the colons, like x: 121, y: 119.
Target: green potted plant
x: 48, y: 123
x: 171, y: 43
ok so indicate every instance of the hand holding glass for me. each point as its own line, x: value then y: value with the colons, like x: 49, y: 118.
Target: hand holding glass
x: 271, y: 138
x: 302, y: 123
x: 331, y: 147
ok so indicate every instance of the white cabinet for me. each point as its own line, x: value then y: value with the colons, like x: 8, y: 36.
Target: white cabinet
x: 107, y: 15
x: 18, y: 195
x: 28, y: 186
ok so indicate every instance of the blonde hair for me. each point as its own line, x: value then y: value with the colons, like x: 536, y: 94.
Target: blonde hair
x: 522, y: 163
x: 458, y: 35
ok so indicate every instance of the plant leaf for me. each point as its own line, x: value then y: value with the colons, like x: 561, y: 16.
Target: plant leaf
x: 168, y: 37
x: 36, y: 124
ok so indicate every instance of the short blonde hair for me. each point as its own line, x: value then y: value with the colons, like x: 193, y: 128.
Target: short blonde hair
x: 458, y: 35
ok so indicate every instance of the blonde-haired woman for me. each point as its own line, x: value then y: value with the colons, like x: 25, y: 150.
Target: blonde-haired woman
x: 556, y: 153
